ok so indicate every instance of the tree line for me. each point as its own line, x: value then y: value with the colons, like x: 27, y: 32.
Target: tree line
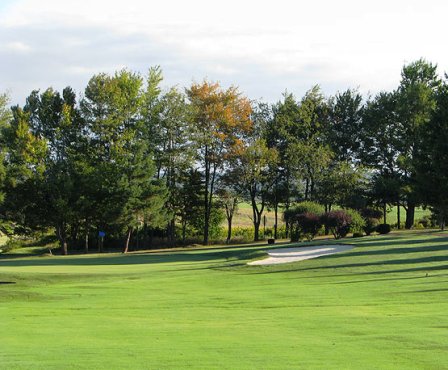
x: 134, y: 161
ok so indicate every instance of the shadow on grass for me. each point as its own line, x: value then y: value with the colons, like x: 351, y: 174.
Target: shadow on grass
x: 395, y: 241
x: 133, y: 259
x: 379, y: 252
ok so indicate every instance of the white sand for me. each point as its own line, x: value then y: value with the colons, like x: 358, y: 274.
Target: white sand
x: 285, y: 255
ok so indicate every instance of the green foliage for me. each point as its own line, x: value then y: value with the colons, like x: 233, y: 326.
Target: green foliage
x: 130, y: 157
x: 345, y: 128
x: 357, y: 223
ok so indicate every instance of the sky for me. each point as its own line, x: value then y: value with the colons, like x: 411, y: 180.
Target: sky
x: 263, y: 47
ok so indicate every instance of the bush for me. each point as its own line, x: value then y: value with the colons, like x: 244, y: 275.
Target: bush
x: 371, y: 217
x: 308, y: 225
x: 338, y: 222
x: 371, y: 225
x: 383, y: 229
x: 427, y: 221
x: 358, y: 235
x: 11, y: 244
x: 304, y: 220
x: 358, y: 223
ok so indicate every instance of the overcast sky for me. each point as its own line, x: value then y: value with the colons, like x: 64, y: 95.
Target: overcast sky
x: 264, y: 47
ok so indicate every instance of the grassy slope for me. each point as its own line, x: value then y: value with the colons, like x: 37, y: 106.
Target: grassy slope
x: 380, y: 305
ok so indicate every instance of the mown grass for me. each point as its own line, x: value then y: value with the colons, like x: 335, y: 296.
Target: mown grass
x: 381, y: 305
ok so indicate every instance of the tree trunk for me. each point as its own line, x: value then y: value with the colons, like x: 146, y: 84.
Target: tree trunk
x: 384, y: 213
x: 64, y: 247
x: 86, y: 243
x: 172, y: 232
x: 276, y: 219
x: 62, y: 239
x: 229, y: 229
x: 327, y: 229
x: 145, y: 236
x: 256, y: 216
x: 184, y: 231
x: 410, y: 215
x: 100, y: 244
x: 257, y: 231
x: 128, y: 238
x: 398, y: 216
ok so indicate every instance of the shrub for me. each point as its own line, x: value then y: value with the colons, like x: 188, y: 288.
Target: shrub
x: 383, y: 229
x: 358, y: 223
x: 371, y: 217
x: 358, y: 235
x: 427, y: 221
x: 371, y: 225
x: 304, y: 220
x: 338, y: 222
x: 11, y: 244
x: 309, y: 224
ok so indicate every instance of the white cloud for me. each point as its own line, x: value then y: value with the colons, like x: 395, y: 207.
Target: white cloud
x: 17, y: 47
x: 263, y: 46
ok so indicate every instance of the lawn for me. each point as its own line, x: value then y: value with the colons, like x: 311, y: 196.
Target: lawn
x: 381, y: 305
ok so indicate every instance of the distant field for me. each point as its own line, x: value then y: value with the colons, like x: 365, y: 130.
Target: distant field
x: 381, y: 305
x: 243, y: 217
x: 3, y: 239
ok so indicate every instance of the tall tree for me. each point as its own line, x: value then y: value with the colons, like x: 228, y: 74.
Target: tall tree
x: 173, y: 151
x: 345, y: 126
x: 280, y: 132
x: 308, y: 150
x: 220, y: 118
x: 416, y: 103
x: 431, y: 159
x: 5, y: 117
x: 120, y: 155
x: 251, y: 168
x: 381, y: 147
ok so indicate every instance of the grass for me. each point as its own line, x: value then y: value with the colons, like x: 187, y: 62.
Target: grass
x: 381, y: 305
x: 392, y: 214
x: 243, y: 216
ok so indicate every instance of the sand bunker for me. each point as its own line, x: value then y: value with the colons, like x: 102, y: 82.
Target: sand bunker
x: 285, y: 255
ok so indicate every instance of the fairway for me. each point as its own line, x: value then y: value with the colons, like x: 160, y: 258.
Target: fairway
x: 380, y: 305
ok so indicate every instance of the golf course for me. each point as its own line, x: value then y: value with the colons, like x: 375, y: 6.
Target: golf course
x: 381, y: 305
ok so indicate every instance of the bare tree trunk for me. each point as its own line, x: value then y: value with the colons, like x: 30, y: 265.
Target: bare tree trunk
x: 184, y: 231
x: 229, y: 229
x: 257, y: 231
x: 126, y: 247
x: 86, y: 244
x: 410, y: 215
x: 398, y: 216
x: 385, y: 212
x: 62, y: 239
x: 276, y: 219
